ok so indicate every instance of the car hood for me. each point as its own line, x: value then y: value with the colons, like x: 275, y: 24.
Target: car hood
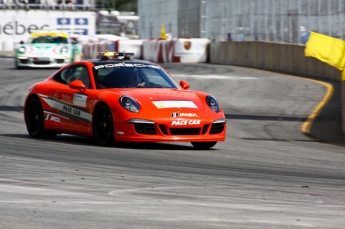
x: 160, y: 99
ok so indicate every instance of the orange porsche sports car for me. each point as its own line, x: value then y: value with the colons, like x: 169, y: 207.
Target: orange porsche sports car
x: 119, y: 99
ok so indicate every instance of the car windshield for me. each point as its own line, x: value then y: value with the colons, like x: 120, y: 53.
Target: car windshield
x: 132, y: 76
x: 49, y: 39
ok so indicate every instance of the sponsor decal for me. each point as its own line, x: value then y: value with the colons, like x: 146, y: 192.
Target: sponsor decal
x: 187, y: 45
x: 174, y: 103
x: 177, y: 114
x: 71, y: 110
x: 120, y: 132
x: 185, y: 122
x: 174, y: 115
x: 79, y: 100
x: 68, y: 109
x: 191, y: 115
x: 54, y: 118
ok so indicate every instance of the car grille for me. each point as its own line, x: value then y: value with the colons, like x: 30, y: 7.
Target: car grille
x: 60, y: 61
x: 184, y: 131
x: 41, y: 62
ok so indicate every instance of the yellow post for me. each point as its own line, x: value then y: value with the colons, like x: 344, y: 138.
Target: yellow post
x: 163, y: 34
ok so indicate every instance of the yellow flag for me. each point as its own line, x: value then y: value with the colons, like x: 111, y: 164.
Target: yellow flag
x: 327, y: 49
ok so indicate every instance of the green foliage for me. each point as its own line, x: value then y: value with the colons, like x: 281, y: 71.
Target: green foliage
x: 127, y: 5
x: 118, y: 5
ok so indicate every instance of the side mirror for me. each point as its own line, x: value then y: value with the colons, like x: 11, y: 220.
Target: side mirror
x: 184, y: 84
x: 77, y: 84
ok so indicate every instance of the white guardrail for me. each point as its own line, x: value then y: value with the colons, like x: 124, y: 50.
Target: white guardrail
x: 183, y: 50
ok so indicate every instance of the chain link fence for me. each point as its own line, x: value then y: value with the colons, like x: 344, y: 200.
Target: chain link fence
x: 285, y: 21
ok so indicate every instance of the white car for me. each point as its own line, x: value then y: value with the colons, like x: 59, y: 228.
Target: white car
x: 47, y: 49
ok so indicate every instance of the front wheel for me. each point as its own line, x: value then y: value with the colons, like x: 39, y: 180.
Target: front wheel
x: 16, y: 65
x: 103, y: 127
x: 203, y: 145
x: 34, y: 119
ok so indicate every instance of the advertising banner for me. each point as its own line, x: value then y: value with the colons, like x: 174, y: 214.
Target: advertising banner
x: 15, y: 26
x: 192, y: 50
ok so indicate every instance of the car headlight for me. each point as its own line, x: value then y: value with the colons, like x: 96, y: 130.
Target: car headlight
x: 64, y: 50
x: 22, y: 49
x: 212, y: 103
x: 129, y: 104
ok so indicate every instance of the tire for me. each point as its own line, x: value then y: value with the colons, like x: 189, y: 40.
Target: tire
x: 34, y: 119
x: 103, y: 127
x: 16, y: 65
x: 203, y: 145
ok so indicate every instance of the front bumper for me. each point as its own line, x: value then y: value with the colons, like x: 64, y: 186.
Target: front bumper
x: 207, y: 131
x: 41, y: 62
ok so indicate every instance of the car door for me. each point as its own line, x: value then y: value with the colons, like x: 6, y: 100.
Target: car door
x: 72, y: 106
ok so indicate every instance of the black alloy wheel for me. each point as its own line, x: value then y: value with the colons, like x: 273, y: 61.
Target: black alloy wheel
x: 103, y: 127
x: 203, y: 145
x: 34, y: 119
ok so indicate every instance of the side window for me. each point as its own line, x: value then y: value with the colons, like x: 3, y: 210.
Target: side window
x: 66, y: 76
x: 78, y: 72
x: 81, y: 73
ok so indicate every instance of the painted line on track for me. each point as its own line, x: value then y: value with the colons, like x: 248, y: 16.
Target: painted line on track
x: 311, y: 118
x: 306, y: 126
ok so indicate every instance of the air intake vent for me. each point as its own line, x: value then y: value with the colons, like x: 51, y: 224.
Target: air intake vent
x: 184, y: 131
x: 217, y: 128
x: 60, y: 61
x: 145, y: 128
x: 163, y: 129
x: 41, y: 62
x: 205, y: 128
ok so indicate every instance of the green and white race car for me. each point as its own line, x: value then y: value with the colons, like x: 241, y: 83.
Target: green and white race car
x: 47, y: 49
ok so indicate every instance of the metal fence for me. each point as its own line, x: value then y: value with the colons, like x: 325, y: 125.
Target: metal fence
x: 47, y: 4
x: 286, y: 21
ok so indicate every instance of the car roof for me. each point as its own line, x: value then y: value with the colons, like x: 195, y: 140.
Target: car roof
x: 120, y: 60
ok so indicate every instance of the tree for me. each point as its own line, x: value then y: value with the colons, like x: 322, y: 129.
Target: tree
x: 118, y: 5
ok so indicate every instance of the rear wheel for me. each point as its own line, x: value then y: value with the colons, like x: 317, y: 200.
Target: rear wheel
x: 34, y: 119
x: 203, y: 145
x: 103, y: 127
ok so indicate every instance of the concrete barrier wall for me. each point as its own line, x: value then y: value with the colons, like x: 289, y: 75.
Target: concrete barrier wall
x: 285, y: 58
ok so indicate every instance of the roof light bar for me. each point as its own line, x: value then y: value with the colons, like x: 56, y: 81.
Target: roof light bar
x: 126, y: 55
x: 110, y: 55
